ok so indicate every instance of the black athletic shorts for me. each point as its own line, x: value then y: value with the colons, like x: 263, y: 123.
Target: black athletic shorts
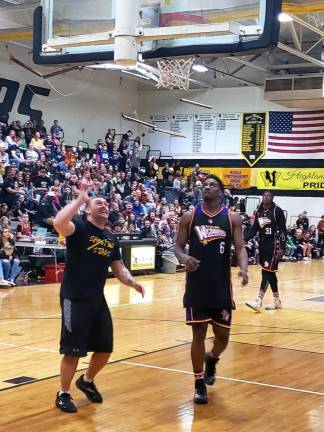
x: 198, y: 315
x: 267, y: 255
x: 86, y: 326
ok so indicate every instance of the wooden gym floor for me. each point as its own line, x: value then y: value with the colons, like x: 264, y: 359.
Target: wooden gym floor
x: 271, y: 378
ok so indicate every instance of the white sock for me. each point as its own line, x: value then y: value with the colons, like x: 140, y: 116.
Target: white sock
x: 86, y: 379
x: 62, y: 391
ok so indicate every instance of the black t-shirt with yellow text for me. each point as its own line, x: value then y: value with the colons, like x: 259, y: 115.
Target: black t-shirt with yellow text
x: 89, y: 253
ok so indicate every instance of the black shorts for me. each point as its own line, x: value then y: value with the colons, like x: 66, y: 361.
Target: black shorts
x: 267, y: 255
x: 198, y: 315
x: 86, y: 326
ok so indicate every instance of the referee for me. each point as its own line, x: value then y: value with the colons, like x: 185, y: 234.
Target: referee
x: 86, y: 320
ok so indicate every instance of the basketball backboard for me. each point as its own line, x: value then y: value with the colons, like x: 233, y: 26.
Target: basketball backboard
x: 77, y: 31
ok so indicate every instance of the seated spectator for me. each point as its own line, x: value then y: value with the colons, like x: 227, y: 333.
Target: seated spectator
x: 302, y: 221
x: 42, y: 181
x: 4, y: 222
x: 24, y: 229
x: 29, y: 131
x: 151, y: 170
x: 19, y: 208
x: 320, y: 228
x: 10, y: 188
x: 4, y: 209
x: 49, y: 206
x: 139, y: 208
x: 147, y: 231
x: 9, y: 256
x: 307, y: 246
x: 56, y: 129
x: 21, y: 140
x: 290, y: 249
x: 38, y: 142
x: 10, y: 138
x: 4, y: 157
x: 32, y: 153
x: 15, y: 154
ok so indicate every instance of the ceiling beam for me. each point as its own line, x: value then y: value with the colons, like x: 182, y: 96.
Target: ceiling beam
x: 293, y: 66
x: 248, y: 64
x: 233, y: 76
x: 307, y: 25
x: 300, y: 54
x: 294, y: 35
x: 314, y: 45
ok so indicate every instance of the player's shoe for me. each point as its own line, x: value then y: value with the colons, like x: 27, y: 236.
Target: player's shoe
x: 255, y: 305
x: 200, y: 396
x: 210, y: 369
x: 275, y: 305
x: 89, y: 389
x: 64, y: 403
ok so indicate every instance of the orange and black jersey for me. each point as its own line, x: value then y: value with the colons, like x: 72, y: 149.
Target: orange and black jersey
x: 270, y: 224
x: 210, y: 239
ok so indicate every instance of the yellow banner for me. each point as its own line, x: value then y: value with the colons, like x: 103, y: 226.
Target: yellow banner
x: 238, y: 178
x: 290, y: 178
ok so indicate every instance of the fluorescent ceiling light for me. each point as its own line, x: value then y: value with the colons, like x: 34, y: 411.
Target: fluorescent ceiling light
x: 283, y: 17
x: 200, y: 68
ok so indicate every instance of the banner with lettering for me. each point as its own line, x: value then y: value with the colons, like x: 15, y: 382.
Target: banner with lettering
x: 253, y: 137
x: 290, y: 178
x: 237, y: 178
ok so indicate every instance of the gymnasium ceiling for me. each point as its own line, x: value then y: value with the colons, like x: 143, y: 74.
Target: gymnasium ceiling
x: 301, y: 48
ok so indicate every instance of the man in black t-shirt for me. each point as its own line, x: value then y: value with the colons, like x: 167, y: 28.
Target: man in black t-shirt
x: 86, y: 320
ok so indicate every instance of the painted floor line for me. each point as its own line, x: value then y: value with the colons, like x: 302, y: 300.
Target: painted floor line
x: 230, y: 379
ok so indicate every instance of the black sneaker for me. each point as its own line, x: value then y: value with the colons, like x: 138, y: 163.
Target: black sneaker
x: 200, y: 396
x: 64, y: 403
x: 210, y: 369
x: 89, y: 389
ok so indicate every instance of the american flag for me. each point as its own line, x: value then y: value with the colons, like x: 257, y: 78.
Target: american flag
x: 296, y: 132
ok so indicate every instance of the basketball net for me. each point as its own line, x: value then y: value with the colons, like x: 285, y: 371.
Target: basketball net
x: 174, y: 73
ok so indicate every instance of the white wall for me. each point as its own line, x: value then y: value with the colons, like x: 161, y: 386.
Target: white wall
x: 95, y: 108
x: 225, y: 100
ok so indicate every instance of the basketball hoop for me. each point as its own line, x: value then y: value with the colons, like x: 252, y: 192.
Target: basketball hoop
x: 174, y: 73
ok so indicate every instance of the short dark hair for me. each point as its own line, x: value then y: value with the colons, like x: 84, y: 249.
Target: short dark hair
x: 216, y: 178
x: 269, y: 192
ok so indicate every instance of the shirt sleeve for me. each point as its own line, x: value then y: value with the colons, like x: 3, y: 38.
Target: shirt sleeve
x: 116, y: 256
x: 79, y: 228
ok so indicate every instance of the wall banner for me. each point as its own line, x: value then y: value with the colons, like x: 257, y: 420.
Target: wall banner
x: 290, y: 178
x: 253, y: 137
x: 238, y: 178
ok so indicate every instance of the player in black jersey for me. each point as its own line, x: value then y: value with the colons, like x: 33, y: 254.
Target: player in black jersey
x: 209, y: 229
x: 270, y: 224
x: 86, y: 320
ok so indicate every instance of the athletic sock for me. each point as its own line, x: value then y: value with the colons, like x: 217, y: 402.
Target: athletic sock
x: 199, y: 376
x: 86, y: 379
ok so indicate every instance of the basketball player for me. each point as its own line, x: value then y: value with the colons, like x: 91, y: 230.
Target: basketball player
x: 209, y: 229
x: 86, y: 320
x: 270, y: 223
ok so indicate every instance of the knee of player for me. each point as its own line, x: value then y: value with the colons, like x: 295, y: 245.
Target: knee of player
x: 199, y: 331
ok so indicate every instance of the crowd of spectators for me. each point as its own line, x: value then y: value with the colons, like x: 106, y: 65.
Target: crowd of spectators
x: 39, y: 174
